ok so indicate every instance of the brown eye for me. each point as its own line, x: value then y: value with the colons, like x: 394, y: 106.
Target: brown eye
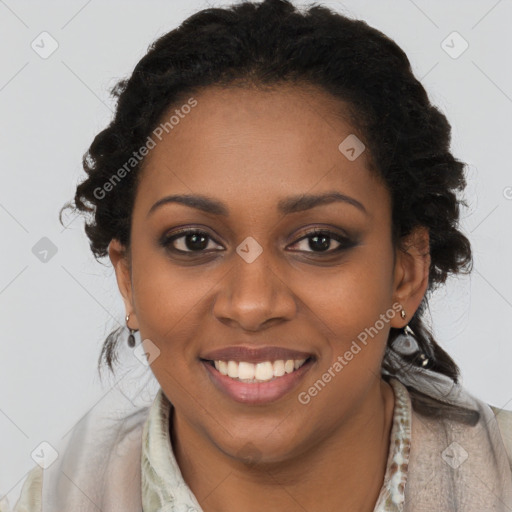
x: 188, y: 241
x: 322, y: 241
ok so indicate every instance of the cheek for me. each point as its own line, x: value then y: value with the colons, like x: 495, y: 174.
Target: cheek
x: 352, y: 295
x: 352, y: 309
x: 355, y: 317
x: 167, y: 295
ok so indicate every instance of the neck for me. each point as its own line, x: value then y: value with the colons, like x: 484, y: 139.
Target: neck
x: 343, y: 472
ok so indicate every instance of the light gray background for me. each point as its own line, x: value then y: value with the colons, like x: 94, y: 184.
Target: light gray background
x: 55, y: 315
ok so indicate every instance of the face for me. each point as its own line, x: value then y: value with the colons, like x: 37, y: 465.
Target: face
x: 263, y: 261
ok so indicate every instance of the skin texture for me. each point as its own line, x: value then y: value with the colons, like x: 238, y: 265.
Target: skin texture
x: 250, y: 149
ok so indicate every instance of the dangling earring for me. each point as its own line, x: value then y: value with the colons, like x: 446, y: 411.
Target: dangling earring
x: 131, y: 337
x: 406, y: 344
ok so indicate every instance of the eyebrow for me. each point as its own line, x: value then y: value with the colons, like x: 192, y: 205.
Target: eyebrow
x: 285, y: 206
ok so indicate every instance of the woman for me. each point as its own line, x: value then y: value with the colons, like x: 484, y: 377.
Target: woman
x: 278, y: 198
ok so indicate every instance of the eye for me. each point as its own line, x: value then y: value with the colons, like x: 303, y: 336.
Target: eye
x: 320, y: 241
x: 187, y: 241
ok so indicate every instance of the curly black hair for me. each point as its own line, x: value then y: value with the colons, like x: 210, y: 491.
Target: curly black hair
x: 271, y: 43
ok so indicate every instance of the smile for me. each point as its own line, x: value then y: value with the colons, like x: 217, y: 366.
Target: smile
x: 257, y: 383
x: 265, y: 371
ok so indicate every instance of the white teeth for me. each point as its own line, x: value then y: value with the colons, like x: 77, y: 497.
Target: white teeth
x: 259, y: 372
x: 233, y: 369
x: 245, y: 370
x: 279, y: 368
x: 223, y: 367
x: 264, y: 371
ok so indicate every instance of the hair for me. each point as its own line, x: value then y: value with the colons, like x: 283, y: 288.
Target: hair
x: 274, y: 43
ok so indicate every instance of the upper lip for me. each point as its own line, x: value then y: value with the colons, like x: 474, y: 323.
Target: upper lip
x: 254, y: 354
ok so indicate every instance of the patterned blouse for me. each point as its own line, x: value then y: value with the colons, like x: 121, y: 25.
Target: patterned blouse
x: 159, y: 464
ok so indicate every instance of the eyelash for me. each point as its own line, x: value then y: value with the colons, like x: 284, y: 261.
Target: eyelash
x: 345, y: 243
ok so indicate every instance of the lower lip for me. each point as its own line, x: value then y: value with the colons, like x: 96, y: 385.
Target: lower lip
x: 257, y: 392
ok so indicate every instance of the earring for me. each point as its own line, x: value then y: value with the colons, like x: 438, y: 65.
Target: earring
x: 131, y: 337
x: 406, y: 344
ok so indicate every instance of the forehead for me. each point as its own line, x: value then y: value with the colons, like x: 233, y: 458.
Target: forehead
x: 240, y: 143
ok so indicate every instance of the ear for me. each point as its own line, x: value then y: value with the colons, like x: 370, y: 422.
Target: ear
x: 120, y: 261
x: 411, y: 273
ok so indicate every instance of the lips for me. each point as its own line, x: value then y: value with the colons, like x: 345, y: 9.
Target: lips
x: 240, y: 353
x: 277, y: 371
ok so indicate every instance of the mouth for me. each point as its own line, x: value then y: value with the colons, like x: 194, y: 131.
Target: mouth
x: 259, y: 382
x: 265, y: 371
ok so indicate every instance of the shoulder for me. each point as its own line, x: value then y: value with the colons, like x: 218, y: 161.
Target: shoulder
x: 504, y: 419
x: 31, y: 493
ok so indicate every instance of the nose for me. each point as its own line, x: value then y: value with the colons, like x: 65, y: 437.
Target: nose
x: 253, y: 296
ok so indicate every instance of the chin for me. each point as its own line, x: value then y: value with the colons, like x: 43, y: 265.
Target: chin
x: 261, y: 451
